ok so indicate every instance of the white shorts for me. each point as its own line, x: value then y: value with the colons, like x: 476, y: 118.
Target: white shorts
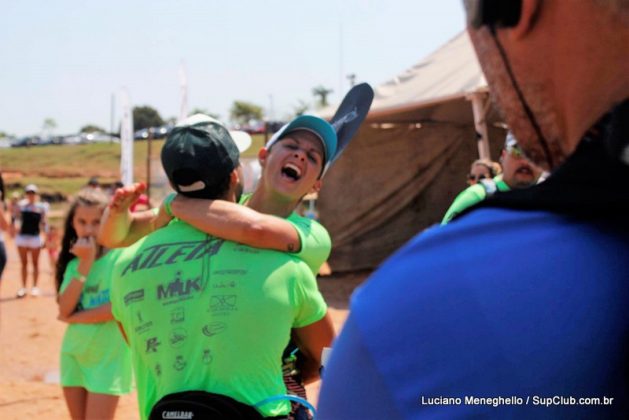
x: 29, y: 241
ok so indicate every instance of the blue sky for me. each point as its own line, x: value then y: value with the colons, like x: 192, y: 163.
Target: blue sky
x: 64, y: 59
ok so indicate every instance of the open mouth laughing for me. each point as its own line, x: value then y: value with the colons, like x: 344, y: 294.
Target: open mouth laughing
x: 291, y: 171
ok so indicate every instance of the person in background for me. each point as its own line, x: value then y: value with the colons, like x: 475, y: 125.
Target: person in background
x: 14, y: 209
x: 518, y: 172
x: 483, y: 169
x: 5, y: 225
x: 30, y: 239
x: 93, y: 182
x: 53, y: 242
x: 520, y: 309
x: 95, y: 360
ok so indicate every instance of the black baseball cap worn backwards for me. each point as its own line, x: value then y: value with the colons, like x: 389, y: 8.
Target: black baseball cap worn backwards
x: 198, y: 154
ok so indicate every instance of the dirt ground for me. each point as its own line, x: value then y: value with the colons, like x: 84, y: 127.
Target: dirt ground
x: 30, y: 341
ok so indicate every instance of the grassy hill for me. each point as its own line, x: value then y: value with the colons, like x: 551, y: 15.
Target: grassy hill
x: 65, y: 169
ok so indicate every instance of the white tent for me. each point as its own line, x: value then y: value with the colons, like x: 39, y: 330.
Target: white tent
x: 410, y: 157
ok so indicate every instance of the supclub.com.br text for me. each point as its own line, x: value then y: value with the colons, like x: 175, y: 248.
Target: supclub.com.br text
x: 556, y: 400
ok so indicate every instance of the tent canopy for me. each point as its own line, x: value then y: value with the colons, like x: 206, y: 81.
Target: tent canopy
x: 409, y: 159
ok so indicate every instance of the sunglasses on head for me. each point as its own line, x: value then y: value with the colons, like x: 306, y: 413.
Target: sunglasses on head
x: 476, y: 178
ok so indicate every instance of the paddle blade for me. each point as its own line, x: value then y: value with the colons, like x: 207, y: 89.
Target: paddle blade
x: 350, y: 115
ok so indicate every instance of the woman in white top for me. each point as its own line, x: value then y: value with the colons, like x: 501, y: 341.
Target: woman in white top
x: 29, y: 240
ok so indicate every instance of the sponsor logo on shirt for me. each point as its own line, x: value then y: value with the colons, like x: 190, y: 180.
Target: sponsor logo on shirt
x: 177, y: 337
x: 246, y: 249
x: 177, y: 316
x: 230, y: 284
x: 134, y: 296
x: 179, y: 289
x: 213, y: 328
x: 223, y: 303
x: 168, y: 254
x: 99, y: 298
x: 231, y: 271
x: 152, y: 344
x: 207, y: 356
x: 91, y: 289
x: 180, y: 363
x: 143, y: 326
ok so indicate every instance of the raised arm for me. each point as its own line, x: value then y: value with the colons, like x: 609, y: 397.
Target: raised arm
x: 68, y: 299
x: 237, y: 223
x: 90, y: 316
x: 120, y: 227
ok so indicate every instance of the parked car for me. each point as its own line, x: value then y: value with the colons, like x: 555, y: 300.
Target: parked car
x: 96, y: 137
x: 160, y: 132
x: 25, y: 141
x: 142, y: 134
x: 72, y: 139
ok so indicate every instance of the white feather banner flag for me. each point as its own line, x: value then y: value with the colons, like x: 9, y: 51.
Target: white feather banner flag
x: 183, y: 83
x: 126, y: 139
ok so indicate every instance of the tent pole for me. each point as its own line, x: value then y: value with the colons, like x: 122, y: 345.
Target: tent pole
x: 478, y: 107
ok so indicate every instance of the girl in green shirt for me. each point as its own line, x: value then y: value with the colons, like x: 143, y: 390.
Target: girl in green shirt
x: 95, y: 360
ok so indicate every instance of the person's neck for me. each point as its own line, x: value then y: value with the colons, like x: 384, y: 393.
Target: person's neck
x: 590, y: 90
x: 264, y: 201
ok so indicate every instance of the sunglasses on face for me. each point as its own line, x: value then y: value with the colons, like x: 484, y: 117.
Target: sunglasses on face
x: 476, y: 178
x: 515, y: 151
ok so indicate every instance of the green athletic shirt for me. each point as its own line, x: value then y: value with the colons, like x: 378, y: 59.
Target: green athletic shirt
x: 201, y: 313
x: 470, y: 196
x: 95, y: 356
x: 314, y: 238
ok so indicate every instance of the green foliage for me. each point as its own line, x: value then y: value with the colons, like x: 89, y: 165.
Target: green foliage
x: 322, y: 93
x: 91, y: 128
x: 145, y: 117
x: 49, y: 124
x: 241, y: 112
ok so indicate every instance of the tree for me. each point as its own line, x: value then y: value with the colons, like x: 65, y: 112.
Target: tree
x: 241, y: 112
x: 91, y: 128
x: 322, y: 93
x: 301, y: 108
x: 145, y: 117
x: 49, y: 124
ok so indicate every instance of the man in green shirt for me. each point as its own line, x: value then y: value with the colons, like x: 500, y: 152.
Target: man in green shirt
x: 205, y: 314
x: 517, y: 172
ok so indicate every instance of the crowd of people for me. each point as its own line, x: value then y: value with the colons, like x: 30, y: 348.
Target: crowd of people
x: 211, y: 301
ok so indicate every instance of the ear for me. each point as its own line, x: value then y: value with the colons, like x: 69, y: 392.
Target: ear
x: 234, y: 177
x: 528, y: 15
x: 262, y: 156
x: 316, y: 187
x: 503, y: 153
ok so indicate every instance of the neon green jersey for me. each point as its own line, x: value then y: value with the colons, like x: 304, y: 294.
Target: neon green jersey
x: 470, y: 196
x: 314, y: 239
x: 95, y: 356
x: 206, y: 314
